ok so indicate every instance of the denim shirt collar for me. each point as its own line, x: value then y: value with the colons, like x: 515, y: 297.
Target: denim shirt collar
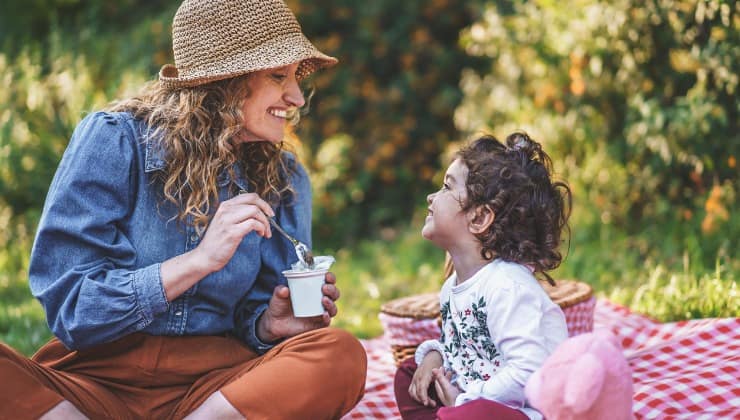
x: 155, y: 161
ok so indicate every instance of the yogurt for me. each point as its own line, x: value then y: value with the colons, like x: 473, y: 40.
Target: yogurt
x: 320, y: 263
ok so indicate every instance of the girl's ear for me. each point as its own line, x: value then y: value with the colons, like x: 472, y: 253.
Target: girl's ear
x: 480, y: 219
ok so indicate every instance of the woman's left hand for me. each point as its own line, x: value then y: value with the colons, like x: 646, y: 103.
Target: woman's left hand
x: 279, y: 322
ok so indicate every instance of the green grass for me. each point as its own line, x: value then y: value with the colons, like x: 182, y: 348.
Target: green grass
x: 22, y: 322
x: 670, y: 296
x: 376, y: 271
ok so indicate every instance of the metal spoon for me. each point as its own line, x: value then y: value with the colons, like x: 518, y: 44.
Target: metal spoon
x: 302, y: 250
x: 304, y: 253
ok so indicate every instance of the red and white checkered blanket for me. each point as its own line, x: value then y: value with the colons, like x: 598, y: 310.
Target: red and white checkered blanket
x: 681, y: 370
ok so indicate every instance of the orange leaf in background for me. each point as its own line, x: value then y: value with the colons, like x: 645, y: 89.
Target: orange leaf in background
x: 332, y: 42
x: 421, y: 36
x: 427, y: 173
x: 371, y: 163
x: 647, y: 85
x: 716, y: 194
x: 559, y: 106
x: 716, y: 211
x: 369, y: 89
x: 718, y: 33
x: 544, y: 94
x: 578, y: 59
x: 696, y: 178
x: 577, y: 87
x: 387, y: 175
x: 683, y: 61
x: 380, y: 50
x: 407, y: 61
x: 708, y: 225
x: 387, y: 150
x: 439, y: 4
x: 731, y: 162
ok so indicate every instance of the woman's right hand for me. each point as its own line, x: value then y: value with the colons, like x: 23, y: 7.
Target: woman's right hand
x: 233, y: 220
x: 423, y: 377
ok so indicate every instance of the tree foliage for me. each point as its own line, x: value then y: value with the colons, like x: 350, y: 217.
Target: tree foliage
x: 636, y: 99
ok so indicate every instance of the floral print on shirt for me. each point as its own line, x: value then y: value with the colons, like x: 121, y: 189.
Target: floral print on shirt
x: 467, y: 342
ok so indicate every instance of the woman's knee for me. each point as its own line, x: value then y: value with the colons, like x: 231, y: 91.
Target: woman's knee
x: 10, y: 358
x: 7, y: 352
x: 347, y: 352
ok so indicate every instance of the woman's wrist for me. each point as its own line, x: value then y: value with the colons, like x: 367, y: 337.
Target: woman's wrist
x: 263, y: 330
x: 199, y: 263
x: 182, y: 272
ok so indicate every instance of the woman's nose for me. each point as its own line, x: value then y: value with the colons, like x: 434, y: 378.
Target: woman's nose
x: 293, y: 94
x: 430, y: 198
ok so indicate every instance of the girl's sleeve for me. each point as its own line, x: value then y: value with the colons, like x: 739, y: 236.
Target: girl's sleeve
x: 82, y: 266
x: 435, y: 345
x: 277, y: 255
x: 429, y: 346
x: 515, y: 323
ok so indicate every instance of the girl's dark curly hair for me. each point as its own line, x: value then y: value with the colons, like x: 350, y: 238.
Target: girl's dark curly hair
x: 530, y: 209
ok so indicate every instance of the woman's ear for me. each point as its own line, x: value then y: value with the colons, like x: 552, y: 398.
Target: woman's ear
x: 480, y: 219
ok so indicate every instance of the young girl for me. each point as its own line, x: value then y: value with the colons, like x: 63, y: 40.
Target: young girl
x: 499, y: 215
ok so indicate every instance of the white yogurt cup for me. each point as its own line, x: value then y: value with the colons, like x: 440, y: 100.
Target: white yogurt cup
x: 305, y: 287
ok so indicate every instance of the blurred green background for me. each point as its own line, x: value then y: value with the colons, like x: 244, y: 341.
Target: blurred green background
x: 636, y: 101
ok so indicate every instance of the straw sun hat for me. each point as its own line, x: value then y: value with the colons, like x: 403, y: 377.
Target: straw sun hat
x: 219, y: 39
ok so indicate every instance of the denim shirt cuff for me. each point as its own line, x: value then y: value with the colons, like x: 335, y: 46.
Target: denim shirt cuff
x: 149, y: 292
x: 251, y: 338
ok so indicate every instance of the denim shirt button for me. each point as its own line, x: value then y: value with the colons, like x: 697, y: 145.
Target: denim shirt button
x: 194, y: 238
x: 178, y: 313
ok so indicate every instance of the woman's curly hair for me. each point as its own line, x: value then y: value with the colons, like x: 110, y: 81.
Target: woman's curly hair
x: 530, y: 209
x: 195, y: 128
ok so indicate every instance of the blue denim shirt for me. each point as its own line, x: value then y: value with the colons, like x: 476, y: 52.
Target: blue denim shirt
x: 105, y: 230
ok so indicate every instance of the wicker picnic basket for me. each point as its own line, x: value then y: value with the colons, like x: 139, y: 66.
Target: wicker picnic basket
x: 412, y: 319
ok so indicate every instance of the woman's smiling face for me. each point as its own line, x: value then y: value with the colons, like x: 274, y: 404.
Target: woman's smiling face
x: 273, y: 96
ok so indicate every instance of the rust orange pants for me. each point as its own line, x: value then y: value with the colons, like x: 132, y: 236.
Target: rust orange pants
x: 316, y: 375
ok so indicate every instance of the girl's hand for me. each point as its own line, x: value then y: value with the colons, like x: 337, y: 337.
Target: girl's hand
x: 279, y: 322
x: 419, y: 388
x: 446, y: 391
x: 233, y: 220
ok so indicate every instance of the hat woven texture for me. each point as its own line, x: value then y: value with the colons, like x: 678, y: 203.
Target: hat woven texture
x: 219, y: 39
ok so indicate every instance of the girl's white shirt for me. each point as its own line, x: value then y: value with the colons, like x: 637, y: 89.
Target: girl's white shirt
x: 498, y: 327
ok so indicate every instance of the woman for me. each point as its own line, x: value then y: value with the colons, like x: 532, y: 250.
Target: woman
x: 160, y: 281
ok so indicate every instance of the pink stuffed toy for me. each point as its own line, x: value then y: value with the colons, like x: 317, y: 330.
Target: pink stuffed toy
x: 586, y: 377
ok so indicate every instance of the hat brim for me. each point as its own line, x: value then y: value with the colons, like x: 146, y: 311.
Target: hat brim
x: 278, y: 52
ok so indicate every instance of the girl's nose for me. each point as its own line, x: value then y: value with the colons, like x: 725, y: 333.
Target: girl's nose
x: 293, y: 94
x: 430, y: 198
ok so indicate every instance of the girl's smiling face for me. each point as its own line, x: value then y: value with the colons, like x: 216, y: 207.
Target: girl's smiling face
x: 446, y: 220
x: 273, y: 96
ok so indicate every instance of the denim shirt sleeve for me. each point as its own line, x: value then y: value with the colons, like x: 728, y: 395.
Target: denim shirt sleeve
x: 295, y: 217
x: 82, y: 263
